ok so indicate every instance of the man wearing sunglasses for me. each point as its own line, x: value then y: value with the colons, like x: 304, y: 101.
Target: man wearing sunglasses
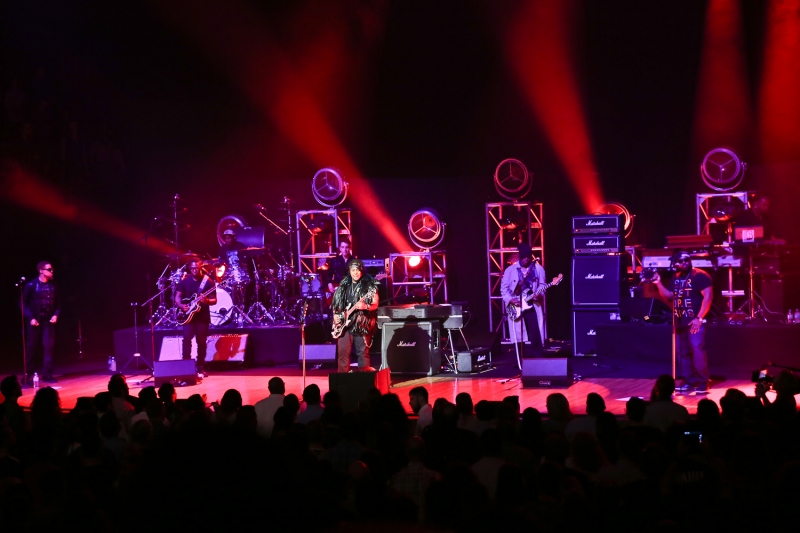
x: 690, y: 297
x: 40, y: 302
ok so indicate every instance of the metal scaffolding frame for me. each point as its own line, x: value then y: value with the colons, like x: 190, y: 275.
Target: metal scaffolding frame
x: 507, y: 225
x: 703, y: 205
x: 313, y: 246
x: 430, y: 274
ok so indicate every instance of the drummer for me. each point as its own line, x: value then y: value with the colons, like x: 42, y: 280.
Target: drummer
x: 229, y: 250
x: 338, y: 265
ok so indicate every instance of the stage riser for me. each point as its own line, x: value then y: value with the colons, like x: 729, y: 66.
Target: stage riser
x: 727, y: 346
x: 265, y: 346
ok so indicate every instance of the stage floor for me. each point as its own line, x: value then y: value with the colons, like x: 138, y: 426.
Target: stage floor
x: 492, y: 386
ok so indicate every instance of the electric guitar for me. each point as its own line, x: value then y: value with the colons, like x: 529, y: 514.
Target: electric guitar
x: 527, y: 297
x: 194, y: 304
x: 329, y: 294
x: 346, y: 317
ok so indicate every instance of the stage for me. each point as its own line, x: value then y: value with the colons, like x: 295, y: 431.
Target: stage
x: 596, y: 375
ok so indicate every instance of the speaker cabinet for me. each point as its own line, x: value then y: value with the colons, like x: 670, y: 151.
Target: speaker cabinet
x: 317, y: 353
x: 354, y: 388
x: 412, y: 347
x: 596, y: 280
x: 584, y: 333
x: 181, y: 372
x: 475, y: 360
x: 547, y: 372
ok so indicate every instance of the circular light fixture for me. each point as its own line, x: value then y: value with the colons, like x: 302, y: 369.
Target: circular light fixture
x: 414, y: 260
x: 234, y: 222
x: 722, y: 170
x: 329, y: 187
x: 511, y: 179
x: 426, y: 229
x: 616, y: 208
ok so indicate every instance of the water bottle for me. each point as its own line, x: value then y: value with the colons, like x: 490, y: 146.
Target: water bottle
x: 797, y: 316
x: 35, y: 381
x: 113, y: 365
x: 110, y: 358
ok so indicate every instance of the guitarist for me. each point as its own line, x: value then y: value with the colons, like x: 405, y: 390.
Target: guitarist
x: 357, y: 337
x: 526, y: 273
x: 195, y: 284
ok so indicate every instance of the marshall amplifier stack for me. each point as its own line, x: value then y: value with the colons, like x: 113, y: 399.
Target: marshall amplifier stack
x: 599, y: 262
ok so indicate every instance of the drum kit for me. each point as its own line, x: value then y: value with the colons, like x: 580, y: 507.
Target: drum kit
x: 257, y: 284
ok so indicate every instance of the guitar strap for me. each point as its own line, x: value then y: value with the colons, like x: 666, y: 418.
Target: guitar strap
x: 529, y: 277
x: 202, y: 285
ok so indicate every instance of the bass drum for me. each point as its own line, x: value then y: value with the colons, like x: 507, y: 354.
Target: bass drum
x: 221, y: 311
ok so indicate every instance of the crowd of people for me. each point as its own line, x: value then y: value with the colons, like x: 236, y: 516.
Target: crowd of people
x: 117, y: 462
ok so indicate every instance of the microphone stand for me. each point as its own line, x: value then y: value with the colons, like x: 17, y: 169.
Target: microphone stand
x: 21, y: 285
x: 303, y: 340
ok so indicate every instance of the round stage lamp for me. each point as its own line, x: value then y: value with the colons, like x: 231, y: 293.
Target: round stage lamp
x: 722, y: 170
x: 511, y: 179
x: 234, y: 222
x: 414, y: 261
x: 616, y: 208
x: 329, y: 187
x: 426, y: 229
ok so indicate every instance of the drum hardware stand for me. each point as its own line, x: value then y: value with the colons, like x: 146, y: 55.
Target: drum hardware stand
x: 136, y: 355
x: 21, y: 285
x: 257, y: 311
x: 754, y: 308
x: 236, y: 311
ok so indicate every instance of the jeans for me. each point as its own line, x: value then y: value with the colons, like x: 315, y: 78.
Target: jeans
x: 199, y: 330
x: 531, y: 321
x: 690, y: 349
x: 45, y: 335
x: 344, y: 347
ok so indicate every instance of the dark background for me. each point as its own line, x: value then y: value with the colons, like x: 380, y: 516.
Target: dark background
x: 438, y: 111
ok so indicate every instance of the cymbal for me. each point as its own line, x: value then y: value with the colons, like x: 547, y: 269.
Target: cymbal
x: 184, y: 256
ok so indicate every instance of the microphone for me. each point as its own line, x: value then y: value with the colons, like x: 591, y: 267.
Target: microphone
x: 21, y: 281
x: 260, y: 207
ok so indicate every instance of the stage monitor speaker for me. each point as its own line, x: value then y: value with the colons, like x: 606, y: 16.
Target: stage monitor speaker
x: 180, y: 373
x: 354, y: 388
x: 547, y: 372
x: 475, y: 360
x: 584, y: 322
x: 317, y: 353
x: 596, y: 280
x: 412, y: 347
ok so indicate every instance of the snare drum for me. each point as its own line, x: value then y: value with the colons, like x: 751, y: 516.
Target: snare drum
x: 310, y: 285
x: 221, y: 311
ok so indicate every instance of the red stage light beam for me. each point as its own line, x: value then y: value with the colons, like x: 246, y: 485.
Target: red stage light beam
x: 723, y: 113
x: 292, y: 87
x: 539, y: 50
x: 779, y: 105
x: 27, y: 190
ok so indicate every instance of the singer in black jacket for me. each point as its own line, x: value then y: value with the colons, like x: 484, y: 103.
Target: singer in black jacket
x: 358, y: 334
x: 41, y: 306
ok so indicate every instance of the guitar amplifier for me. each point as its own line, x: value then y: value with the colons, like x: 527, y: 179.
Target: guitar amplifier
x: 584, y: 333
x: 598, y: 244
x: 412, y: 347
x: 597, y: 224
x: 597, y: 279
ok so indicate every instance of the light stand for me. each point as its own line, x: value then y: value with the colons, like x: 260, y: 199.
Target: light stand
x: 21, y: 285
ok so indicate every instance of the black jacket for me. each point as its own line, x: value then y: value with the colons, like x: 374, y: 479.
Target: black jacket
x: 35, y: 300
